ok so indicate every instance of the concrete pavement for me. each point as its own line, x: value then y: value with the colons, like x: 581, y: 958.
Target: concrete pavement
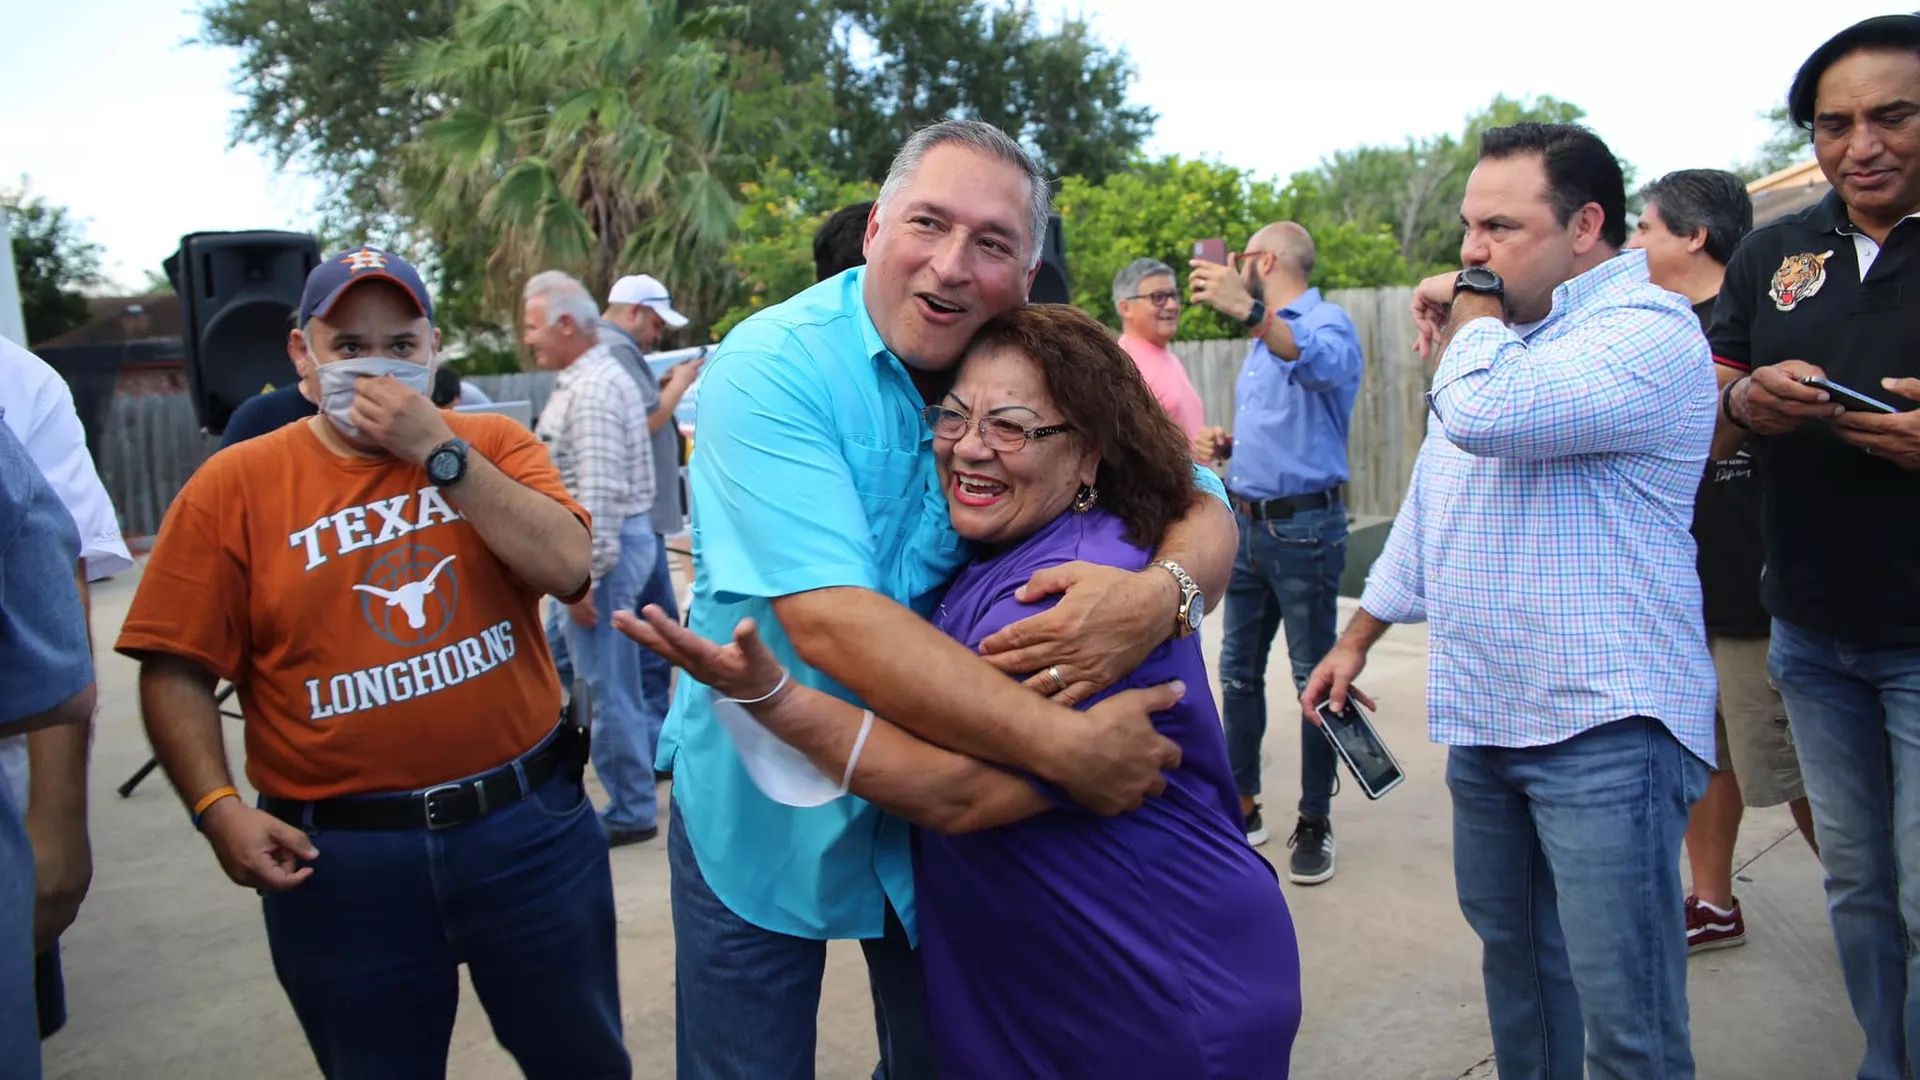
x: 168, y: 973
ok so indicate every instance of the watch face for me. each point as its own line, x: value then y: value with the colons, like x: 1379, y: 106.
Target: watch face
x: 1195, y: 612
x: 1479, y: 277
x: 443, y: 466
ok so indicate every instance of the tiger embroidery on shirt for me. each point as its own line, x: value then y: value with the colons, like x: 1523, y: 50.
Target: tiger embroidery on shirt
x: 1799, y: 277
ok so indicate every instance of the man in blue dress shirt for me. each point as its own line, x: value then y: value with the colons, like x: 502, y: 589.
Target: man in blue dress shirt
x: 1544, y: 542
x: 1291, y: 410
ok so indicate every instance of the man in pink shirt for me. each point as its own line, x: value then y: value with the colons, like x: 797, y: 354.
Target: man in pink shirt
x: 1149, y: 306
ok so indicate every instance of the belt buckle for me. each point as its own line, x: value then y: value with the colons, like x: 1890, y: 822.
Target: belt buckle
x: 428, y: 804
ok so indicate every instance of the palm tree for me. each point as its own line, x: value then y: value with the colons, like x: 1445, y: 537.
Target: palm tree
x: 581, y: 134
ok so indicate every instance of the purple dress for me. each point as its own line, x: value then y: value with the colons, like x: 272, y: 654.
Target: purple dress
x: 1155, y: 943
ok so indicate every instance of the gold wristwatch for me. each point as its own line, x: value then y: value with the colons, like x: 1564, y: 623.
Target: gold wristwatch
x: 1193, y: 605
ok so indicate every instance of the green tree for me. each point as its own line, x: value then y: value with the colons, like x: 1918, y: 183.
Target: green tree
x: 900, y: 64
x: 53, y: 261
x: 315, y: 92
x: 1787, y: 144
x: 1414, y: 190
x: 773, y: 247
x: 1157, y: 209
x: 551, y: 152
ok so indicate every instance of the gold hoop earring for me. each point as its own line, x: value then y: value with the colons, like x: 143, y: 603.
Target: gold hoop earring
x: 1084, y: 501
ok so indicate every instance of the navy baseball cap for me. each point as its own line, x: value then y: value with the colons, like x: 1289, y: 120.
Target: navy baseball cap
x: 340, y: 272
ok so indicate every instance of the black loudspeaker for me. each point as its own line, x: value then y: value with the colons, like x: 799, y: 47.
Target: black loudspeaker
x: 1050, y: 284
x: 237, y: 290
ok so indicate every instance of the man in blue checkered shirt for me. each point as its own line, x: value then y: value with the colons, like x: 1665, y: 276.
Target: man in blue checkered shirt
x: 1544, y: 540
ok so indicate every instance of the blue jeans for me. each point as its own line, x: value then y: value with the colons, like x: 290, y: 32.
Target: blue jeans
x: 609, y: 662
x: 1566, y: 859
x: 656, y: 674
x: 1855, y: 712
x: 746, y: 1000
x: 368, y: 949
x: 1287, y: 571
x: 19, y: 1030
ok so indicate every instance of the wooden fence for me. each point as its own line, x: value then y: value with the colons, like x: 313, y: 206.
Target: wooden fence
x: 1389, y: 415
x: 151, y: 443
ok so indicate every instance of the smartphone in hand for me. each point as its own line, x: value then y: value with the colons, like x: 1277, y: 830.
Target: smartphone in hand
x: 1850, y: 399
x: 1213, y: 250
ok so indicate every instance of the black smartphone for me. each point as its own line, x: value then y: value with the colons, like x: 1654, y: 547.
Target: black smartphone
x: 1850, y: 399
x: 1359, y: 745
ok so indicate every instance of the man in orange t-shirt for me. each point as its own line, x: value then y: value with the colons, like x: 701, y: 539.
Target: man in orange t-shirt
x: 370, y: 580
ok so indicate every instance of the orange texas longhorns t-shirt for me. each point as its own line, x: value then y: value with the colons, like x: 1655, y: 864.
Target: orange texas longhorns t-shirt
x: 377, y: 644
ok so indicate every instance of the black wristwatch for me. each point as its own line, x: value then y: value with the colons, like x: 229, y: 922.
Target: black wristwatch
x: 447, y: 463
x: 1479, y: 279
x: 1255, y: 316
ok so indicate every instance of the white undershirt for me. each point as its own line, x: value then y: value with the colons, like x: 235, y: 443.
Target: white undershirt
x: 1866, y: 249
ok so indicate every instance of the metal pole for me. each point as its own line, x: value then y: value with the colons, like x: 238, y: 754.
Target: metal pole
x: 13, y: 321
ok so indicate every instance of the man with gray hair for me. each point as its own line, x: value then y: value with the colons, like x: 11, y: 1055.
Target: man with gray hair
x: 1691, y: 223
x: 1148, y: 301
x: 819, y: 514
x: 595, y: 425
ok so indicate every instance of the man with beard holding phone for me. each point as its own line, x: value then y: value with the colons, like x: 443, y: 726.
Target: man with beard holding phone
x: 1293, y: 405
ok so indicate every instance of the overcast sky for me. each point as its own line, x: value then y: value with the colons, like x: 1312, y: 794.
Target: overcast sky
x: 108, y: 110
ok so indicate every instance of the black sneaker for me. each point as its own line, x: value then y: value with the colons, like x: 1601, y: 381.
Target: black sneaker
x: 623, y: 837
x: 1256, y: 829
x: 1312, y: 844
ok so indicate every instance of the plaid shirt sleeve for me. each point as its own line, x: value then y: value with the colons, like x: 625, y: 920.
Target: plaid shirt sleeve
x: 606, y: 472
x: 1396, y: 591
x: 1609, y: 386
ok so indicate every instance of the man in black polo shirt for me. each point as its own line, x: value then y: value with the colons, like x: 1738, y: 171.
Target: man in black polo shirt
x: 1834, y: 292
x: 1691, y: 221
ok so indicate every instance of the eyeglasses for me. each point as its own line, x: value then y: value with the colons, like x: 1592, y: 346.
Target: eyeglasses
x: 1157, y: 299
x: 997, y: 432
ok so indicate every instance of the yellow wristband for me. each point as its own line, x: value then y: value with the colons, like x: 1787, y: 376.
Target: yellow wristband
x: 212, y: 797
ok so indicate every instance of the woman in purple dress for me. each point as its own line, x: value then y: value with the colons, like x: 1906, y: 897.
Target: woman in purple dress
x: 1058, y: 943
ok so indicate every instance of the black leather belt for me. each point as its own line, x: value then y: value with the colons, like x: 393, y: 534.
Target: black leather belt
x: 1286, y: 506
x: 439, y: 807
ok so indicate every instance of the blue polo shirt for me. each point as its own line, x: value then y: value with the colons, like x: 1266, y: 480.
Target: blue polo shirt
x: 813, y: 469
x: 1290, y: 418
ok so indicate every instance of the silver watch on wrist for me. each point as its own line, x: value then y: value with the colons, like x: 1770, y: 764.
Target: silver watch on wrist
x: 1193, y: 604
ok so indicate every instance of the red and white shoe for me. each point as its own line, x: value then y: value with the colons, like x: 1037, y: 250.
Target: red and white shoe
x: 1709, y: 928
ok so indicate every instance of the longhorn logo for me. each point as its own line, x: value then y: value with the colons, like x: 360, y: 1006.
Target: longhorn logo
x: 411, y: 597
x: 403, y: 606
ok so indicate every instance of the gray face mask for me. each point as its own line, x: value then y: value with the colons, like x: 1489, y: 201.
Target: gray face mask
x: 337, y: 381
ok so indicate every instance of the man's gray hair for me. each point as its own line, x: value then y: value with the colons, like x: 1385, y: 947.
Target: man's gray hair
x: 1126, y: 283
x: 1712, y: 199
x: 564, y: 296
x: 983, y: 137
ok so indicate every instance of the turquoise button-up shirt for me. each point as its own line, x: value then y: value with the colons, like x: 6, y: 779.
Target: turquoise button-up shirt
x: 813, y: 469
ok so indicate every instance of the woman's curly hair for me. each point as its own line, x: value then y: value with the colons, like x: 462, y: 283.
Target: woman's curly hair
x: 1146, y: 475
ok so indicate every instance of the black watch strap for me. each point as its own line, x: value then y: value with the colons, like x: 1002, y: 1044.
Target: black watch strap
x: 1255, y: 316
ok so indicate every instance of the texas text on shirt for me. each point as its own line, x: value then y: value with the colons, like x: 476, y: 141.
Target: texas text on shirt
x: 1795, y: 290
x: 365, y: 622
x: 1544, y: 535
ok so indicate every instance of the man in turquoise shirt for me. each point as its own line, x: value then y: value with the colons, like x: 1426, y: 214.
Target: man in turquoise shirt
x: 816, y: 511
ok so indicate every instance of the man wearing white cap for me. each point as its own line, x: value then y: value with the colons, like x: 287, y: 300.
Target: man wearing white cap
x: 639, y: 313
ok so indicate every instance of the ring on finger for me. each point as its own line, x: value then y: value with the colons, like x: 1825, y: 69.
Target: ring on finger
x: 1059, y: 683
